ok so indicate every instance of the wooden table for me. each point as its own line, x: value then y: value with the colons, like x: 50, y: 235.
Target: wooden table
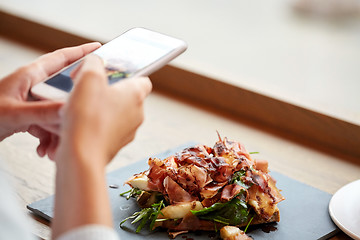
x: 170, y: 122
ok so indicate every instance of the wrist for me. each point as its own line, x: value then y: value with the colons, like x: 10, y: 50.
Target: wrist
x: 77, y: 155
x: 81, y: 191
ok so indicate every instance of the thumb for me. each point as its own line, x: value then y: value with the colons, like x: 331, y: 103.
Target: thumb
x: 92, y: 65
x: 40, y: 112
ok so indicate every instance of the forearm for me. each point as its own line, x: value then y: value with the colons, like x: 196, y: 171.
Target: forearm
x: 81, y: 194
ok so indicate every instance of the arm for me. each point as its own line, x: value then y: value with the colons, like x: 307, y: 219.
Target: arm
x: 96, y: 122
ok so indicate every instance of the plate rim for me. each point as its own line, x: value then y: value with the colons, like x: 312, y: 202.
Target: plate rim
x: 334, y: 217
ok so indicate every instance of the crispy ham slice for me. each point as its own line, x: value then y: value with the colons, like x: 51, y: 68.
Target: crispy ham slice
x: 192, y: 178
x: 230, y: 148
x: 156, y: 174
x: 175, y: 192
x: 231, y: 191
x: 203, y: 175
x: 211, y: 189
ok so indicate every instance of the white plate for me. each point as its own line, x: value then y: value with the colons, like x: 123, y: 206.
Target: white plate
x: 344, y: 209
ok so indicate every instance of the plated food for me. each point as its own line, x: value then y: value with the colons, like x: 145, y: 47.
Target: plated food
x: 206, y: 188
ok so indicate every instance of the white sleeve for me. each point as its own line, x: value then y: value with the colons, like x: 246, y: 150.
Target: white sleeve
x: 15, y: 225
x: 90, y: 232
x: 13, y: 222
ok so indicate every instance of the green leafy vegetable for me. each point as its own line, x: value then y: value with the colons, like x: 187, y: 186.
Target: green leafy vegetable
x: 134, y: 192
x: 233, y: 212
x: 146, y: 215
x: 254, y: 152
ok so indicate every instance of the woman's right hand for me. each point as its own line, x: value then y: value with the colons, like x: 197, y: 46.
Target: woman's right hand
x: 99, y: 119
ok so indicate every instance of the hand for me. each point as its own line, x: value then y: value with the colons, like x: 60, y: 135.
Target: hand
x: 38, y: 117
x: 99, y: 119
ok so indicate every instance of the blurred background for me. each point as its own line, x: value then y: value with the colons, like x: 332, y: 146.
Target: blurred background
x: 304, y: 52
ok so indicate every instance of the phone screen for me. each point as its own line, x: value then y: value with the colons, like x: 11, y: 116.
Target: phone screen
x: 124, y: 56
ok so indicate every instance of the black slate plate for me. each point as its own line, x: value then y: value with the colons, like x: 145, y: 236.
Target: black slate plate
x: 304, y: 214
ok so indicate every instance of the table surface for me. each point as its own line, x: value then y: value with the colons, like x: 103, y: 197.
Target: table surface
x: 169, y: 122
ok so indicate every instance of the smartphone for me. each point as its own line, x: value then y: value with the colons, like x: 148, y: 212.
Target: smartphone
x: 137, y: 52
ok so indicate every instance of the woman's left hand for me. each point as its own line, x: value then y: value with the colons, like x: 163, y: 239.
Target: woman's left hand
x: 39, y: 118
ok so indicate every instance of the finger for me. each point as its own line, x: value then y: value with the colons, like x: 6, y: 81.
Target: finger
x: 142, y: 86
x: 39, y: 113
x: 76, y: 70
x: 51, y: 149
x: 52, y: 128
x: 44, y: 139
x: 89, y: 85
x: 52, y: 62
x: 145, y: 84
x: 91, y: 68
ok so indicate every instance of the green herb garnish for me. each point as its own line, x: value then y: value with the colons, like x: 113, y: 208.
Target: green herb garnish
x: 237, y: 179
x: 248, y: 224
x: 134, y: 192
x: 146, y: 215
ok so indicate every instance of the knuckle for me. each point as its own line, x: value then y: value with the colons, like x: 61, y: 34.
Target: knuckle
x: 91, y: 74
x: 141, y: 117
x: 132, y: 137
x: 139, y: 122
x: 139, y: 93
x: 60, y: 53
x: 30, y: 72
x: 26, y: 70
